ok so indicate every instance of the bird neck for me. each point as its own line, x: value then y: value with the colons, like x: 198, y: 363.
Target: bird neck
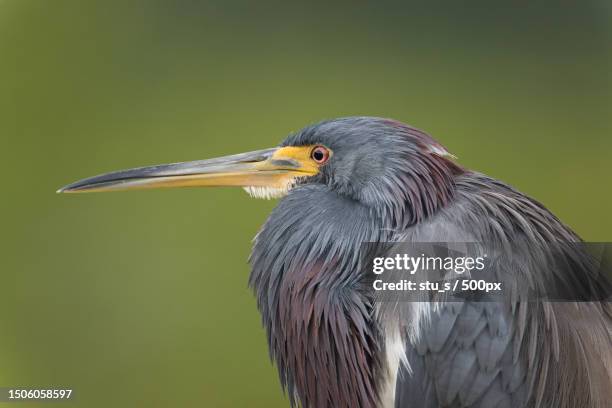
x: 317, y: 315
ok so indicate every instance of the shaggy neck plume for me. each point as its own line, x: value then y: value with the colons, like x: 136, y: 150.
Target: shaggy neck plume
x: 418, y: 182
x: 317, y: 315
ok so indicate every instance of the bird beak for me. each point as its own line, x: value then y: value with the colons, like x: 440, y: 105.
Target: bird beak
x: 272, y: 168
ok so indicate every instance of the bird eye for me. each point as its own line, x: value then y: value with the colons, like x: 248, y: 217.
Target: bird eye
x: 320, y: 154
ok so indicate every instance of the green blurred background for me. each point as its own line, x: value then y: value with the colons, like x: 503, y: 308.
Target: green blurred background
x: 141, y: 299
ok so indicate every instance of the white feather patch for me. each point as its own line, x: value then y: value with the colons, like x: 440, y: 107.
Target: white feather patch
x: 395, y: 349
x: 267, y: 193
x: 440, y: 151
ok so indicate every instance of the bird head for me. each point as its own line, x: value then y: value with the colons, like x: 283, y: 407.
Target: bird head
x: 379, y: 162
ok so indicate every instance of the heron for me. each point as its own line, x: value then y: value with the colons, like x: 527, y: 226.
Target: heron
x: 346, y: 181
